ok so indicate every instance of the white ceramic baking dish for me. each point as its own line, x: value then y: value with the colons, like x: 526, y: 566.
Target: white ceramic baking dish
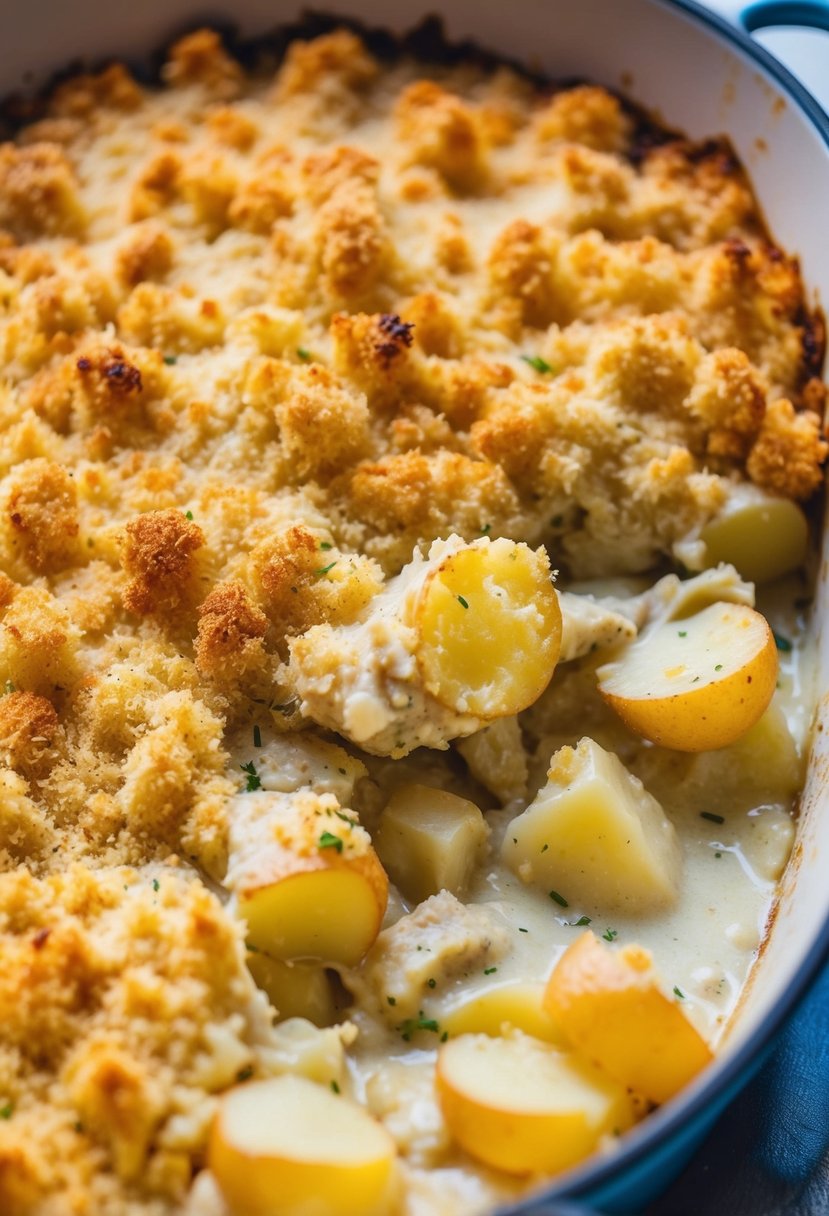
x: 695, y: 72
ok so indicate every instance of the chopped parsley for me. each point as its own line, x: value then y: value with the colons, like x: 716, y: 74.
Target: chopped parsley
x: 432, y: 983
x: 610, y: 935
x: 244, y: 1074
x: 444, y: 1036
x: 335, y: 1087
x: 683, y: 633
x: 326, y: 544
x: 544, y: 847
x: 303, y: 354
x: 329, y: 841
x: 711, y: 817
x: 8, y: 687
x: 490, y: 970
x: 250, y: 946
x: 342, y: 815
x: 392, y: 1000
x: 718, y: 667
x: 537, y: 363
x: 463, y: 603
x: 559, y: 899
x: 782, y: 643
x: 520, y: 930
x: 253, y: 782
x: 413, y: 1025
x: 577, y: 924
x: 188, y: 515
x: 323, y: 570
x: 156, y: 885
x: 170, y: 360
x: 679, y: 993
x: 6, y: 1111
x: 718, y: 853
x: 257, y: 736
x: 486, y: 529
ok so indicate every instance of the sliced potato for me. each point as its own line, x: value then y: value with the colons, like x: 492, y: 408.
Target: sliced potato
x: 763, y: 536
x: 595, y: 831
x: 522, y: 1106
x: 287, y: 1147
x: 609, y: 1005
x: 500, y: 1009
x: 430, y: 840
x: 489, y: 628
x: 296, y: 990
x: 698, y: 683
x: 322, y: 907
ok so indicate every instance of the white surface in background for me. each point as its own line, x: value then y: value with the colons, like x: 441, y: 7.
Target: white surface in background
x: 805, y: 52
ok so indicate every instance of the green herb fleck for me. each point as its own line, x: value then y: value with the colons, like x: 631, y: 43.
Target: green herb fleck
x: 718, y: 667
x: 444, y: 1036
x: 782, y: 643
x: 326, y: 544
x: 329, y: 841
x: 413, y: 1025
x: 244, y: 1074
x: 250, y: 947
x: 718, y: 854
x: 6, y: 1111
x: 303, y: 354
x: 257, y: 736
x: 559, y: 899
x: 486, y: 529
x: 8, y: 687
x: 156, y: 885
x: 253, y: 782
x: 490, y: 970
x: 683, y: 633
x: 392, y: 1000
x: 324, y: 570
x: 544, y: 847
x: 577, y: 924
x: 537, y: 363
x: 346, y: 818
x: 170, y: 360
x: 188, y: 515
x: 678, y: 992
x: 695, y: 680
x: 432, y: 983
x: 335, y: 1087
x: 463, y: 603
x: 712, y: 817
x: 520, y: 930
x: 610, y: 935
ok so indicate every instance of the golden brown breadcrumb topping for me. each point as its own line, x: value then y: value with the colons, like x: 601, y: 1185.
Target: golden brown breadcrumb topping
x: 262, y: 334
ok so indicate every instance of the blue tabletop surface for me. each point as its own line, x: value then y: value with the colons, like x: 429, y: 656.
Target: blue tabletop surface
x: 769, y: 1153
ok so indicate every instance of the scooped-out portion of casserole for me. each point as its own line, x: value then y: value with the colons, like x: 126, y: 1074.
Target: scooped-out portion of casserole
x: 396, y: 767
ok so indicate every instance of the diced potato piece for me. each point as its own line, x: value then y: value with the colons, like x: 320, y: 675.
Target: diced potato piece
x: 768, y: 845
x: 296, y: 990
x: 302, y: 1049
x: 521, y: 1106
x: 324, y: 907
x: 287, y: 1147
x: 496, y: 758
x: 430, y: 840
x: 593, y: 832
x: 609, y: 1005
x: 504, y: 1007
x: 698, y: 683
x: 489, y: 628
x: 763, y: 536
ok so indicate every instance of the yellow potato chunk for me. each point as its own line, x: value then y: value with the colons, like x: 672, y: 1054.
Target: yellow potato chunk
x: 322, y: 907
x: 296, y: 990
x: 430, y: 840
x: 287, y: 1147
x: 595, y: 833
x: 498, y: 1010
x: 609, y: 1005
x: 489, y: 628
x: 763, y: 536
x: 522, y: 1106
x: 698, y: 683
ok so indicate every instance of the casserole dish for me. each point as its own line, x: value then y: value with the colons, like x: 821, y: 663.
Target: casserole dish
x: 659, y: 54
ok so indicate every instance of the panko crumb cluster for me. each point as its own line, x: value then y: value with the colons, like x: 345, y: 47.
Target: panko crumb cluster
x: 264, y: 333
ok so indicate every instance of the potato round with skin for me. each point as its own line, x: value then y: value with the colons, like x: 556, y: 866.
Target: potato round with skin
x: 489, y: 629
x: 763, y: 536
x: 521, y: 1106
x: 286, y: 1147
x: 609, y: 1006
x: 296, y: 990
x: 698, y: 683
x: 516, y: 1006
x: 327, y: 906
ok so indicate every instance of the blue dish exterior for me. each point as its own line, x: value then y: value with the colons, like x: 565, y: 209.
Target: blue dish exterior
x: 629, y: 1182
